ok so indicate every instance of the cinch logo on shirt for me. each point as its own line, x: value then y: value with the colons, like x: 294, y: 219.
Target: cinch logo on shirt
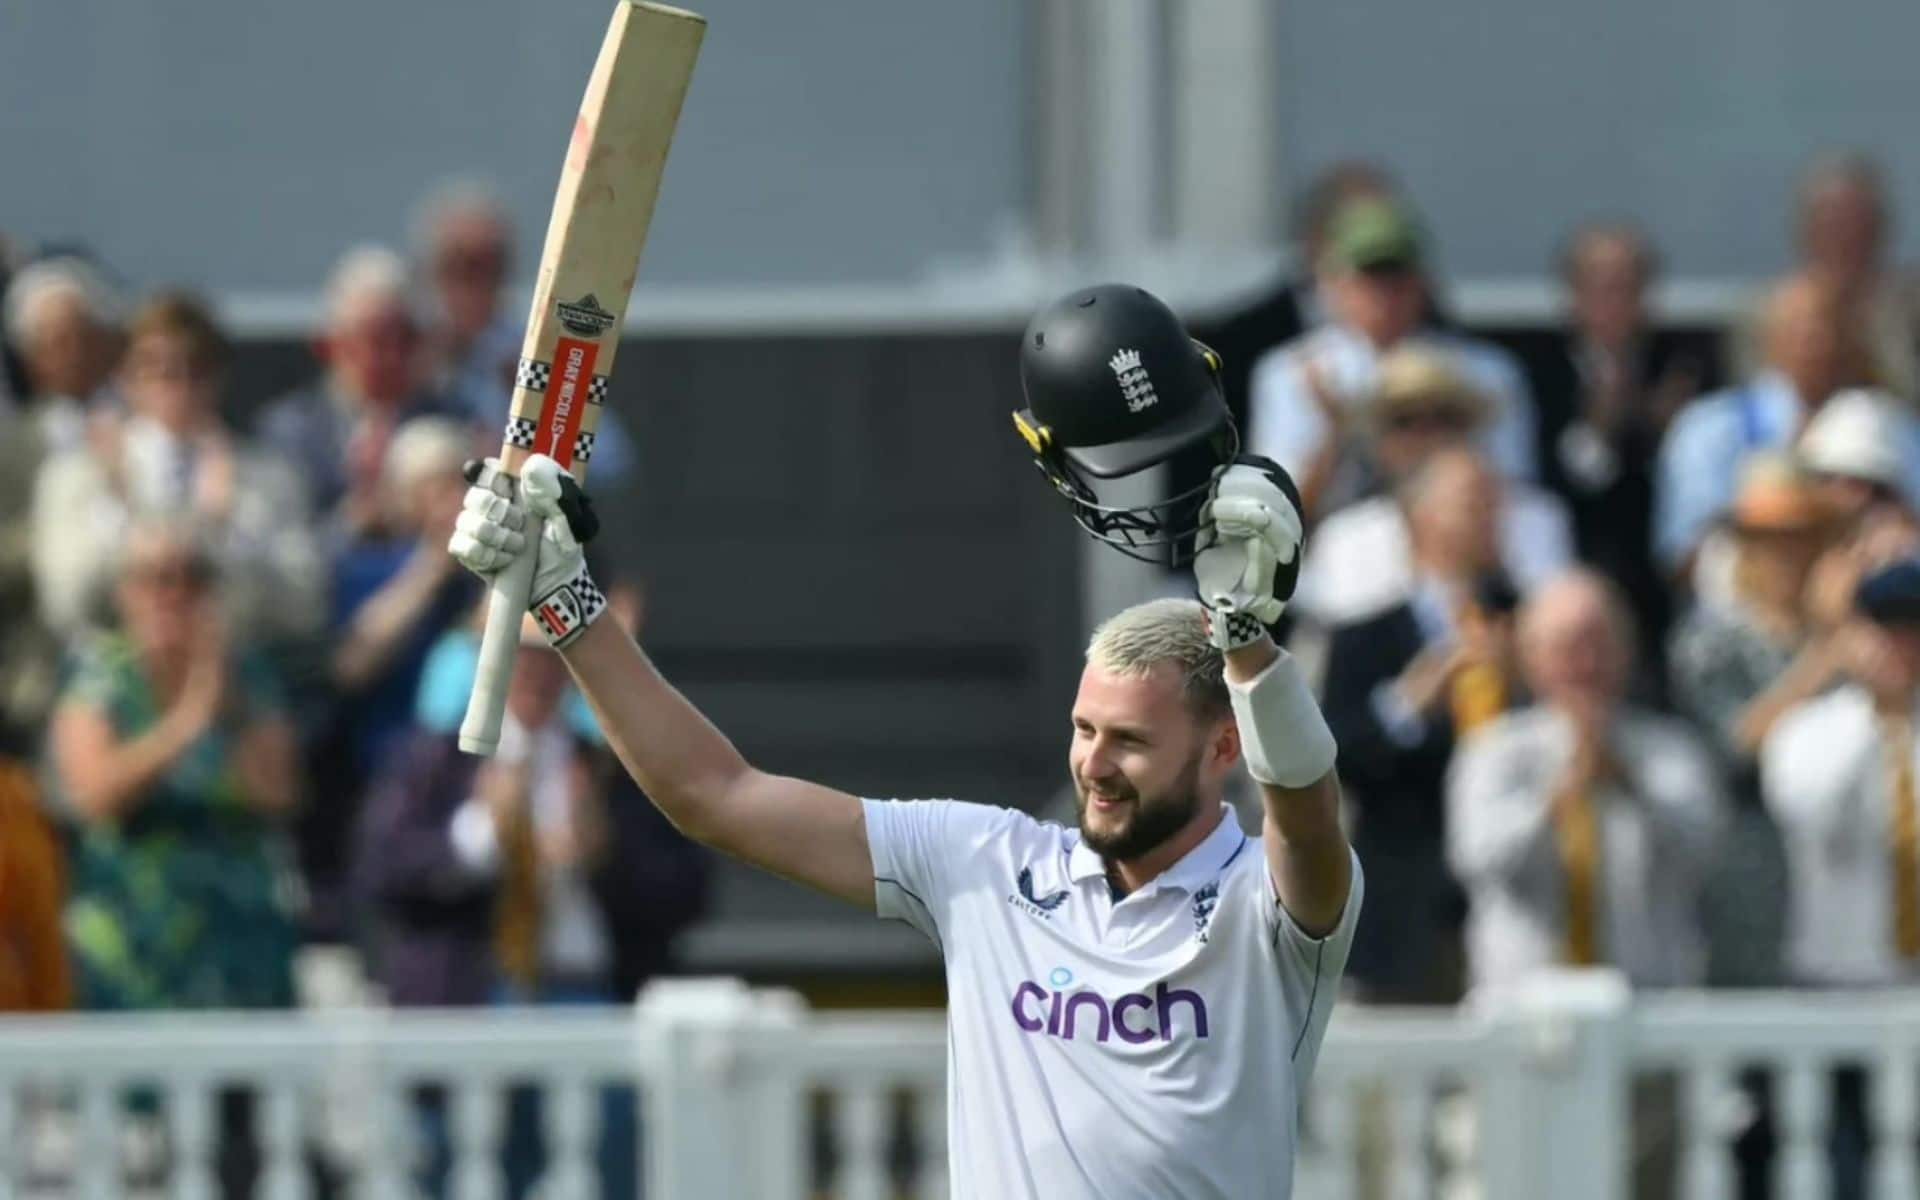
x: 1134, y: 1018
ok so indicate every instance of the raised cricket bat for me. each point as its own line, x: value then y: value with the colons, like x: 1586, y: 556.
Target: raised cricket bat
x: 600, y: 215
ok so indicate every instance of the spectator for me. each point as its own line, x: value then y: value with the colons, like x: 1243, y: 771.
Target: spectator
x: 1740, y: 662
x: 1401, y: 687
x: 1702, y: 452
x: 393, y: 595
x: 34, y: 976
x: 1838, y: 775
x: 60, y: 318
x: 1309, y: 397
x: 336, y: 430
x: 1607, y: 385
x: 1293, y: 305
x: 1582, y: 827
x: 63, y: 318
x: 539, y: 876
x: 1359, y: 560
x: 463, y: 243
x: 1843, y: 231
x: 177, y: 763
x: 175, y: 455
x: 445, y: 829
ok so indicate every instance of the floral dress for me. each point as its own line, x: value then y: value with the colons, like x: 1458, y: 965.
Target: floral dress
x: 186, y: 901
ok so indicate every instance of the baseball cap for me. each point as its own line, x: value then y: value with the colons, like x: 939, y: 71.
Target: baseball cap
x: 1373, y: 234
x: 1855, y: 434
x: 1890, y: 594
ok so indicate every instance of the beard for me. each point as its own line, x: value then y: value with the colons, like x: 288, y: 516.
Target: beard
x: 1144, y: 822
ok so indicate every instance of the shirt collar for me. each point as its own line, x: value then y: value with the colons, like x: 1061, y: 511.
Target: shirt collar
x: 1189, y: 873
x: 1778, y: 392
x: 1433, y: 604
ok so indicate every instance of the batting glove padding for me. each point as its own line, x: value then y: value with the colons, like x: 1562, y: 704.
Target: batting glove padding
x: 1251, y: 530
x: 491, y: 532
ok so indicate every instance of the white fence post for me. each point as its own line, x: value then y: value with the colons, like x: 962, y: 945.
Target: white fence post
x: 1556, y: 1119
x: 721, y: 1116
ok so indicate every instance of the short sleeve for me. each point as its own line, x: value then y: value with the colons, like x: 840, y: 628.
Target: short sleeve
x: 446, y: 680
x: 1310, y: 967
x: 923, y: 854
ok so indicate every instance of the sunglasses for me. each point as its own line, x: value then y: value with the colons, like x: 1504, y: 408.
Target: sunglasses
x: 182, y: 575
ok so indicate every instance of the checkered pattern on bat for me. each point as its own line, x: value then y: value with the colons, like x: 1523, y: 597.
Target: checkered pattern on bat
x: 520, y: 432
x: 532, y: 374
x: 582, y: 446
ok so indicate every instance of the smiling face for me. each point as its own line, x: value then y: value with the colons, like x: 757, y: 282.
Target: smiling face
x: 1144, y: 763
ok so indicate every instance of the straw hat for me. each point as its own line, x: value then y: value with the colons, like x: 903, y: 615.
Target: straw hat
x: 1776, y: 496
x: 1424, y: 379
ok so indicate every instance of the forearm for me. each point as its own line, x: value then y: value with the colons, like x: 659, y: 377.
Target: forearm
x: 683, y: 764
x: 1303, y: 816
x: 1804, y: 678
x: 384, y: 622
x: 105, y: 783
x: 1306, y: 848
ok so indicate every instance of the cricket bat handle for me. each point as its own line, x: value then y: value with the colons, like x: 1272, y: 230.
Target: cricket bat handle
x: 507, y: 600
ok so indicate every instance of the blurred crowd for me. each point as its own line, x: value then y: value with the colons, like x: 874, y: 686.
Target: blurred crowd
x: 1617, y: 624
x: 234, y: 654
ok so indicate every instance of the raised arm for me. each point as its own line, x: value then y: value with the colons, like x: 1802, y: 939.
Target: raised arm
x: 802, y: 831
x: 1245, y: 576
x: 1307, y: 851
x: 805, y: 832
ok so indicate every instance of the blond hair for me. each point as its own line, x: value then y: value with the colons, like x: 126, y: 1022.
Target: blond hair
x: 1135, y: 640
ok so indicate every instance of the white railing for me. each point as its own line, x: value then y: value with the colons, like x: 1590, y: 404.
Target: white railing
x: 1567, y: 1087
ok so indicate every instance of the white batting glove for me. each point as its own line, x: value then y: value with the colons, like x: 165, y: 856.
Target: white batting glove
x: 490, y: 533
x: 1251, y: 528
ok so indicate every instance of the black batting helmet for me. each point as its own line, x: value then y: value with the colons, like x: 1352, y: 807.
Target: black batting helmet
x: 1115, y: 386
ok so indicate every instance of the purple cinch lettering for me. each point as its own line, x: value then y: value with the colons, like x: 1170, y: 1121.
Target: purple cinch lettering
x: 1030, y: 1024
x: 1099, y: 1006
x: 1166, y: 998
x: 1120, y: 1006
x: 1053, y: 1016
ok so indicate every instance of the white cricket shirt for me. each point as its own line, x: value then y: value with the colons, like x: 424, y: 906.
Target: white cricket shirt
x: 1100, y: 1050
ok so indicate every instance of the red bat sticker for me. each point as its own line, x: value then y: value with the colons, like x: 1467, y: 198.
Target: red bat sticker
x: 565, y: 400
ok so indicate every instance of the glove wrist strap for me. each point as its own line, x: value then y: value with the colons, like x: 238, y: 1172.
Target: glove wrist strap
x: 565, y: 612
x: 1232, y: 630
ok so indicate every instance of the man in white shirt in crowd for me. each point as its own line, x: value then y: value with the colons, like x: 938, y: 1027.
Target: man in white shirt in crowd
x: 1838, y: 774
x: 1309, y: 400
x: 1135, y: 1004
x: 1700, y: 459
x: 1582, y: 828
